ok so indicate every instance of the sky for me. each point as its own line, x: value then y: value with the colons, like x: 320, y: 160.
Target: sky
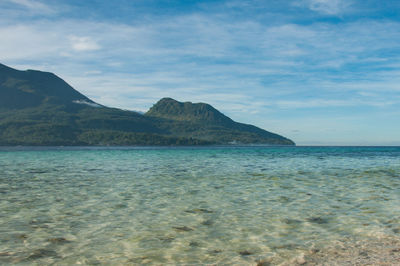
x: 320, y: 72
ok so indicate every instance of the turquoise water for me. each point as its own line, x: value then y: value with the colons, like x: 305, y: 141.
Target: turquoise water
x: 210, y: 205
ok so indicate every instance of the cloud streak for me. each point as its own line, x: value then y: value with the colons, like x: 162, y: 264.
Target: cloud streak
x: 82, y: 44
x: 33, y: 6
x: 330, y: 7
x: 214, y: 59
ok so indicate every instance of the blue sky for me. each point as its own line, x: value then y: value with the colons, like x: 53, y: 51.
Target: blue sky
x: 321, y: 72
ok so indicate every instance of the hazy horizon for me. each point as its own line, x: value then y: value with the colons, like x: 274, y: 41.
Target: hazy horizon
x: 318, y: 72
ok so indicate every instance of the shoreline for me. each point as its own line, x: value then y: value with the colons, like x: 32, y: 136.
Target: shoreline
x: 377, y: 251
x: 384, y: 251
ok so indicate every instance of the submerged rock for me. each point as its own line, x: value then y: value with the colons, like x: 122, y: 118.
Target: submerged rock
x: 183, y: 228
x: 318, y: 220
x: 58, y: 240
x: 22, y: 236
x: 194, y: 244
x: 291, y: 221
x: 167, y: 239
x: 199, y: 210
x: 245, y: 253
x: 283, y: 199
x: 42, y: 253
x: 215, y: 251
x: 285, y: 246
x: 314, y: 250
x: 363, y: 253
x: 207, y: 222
x: 121, y: 206
x: 263, y: 263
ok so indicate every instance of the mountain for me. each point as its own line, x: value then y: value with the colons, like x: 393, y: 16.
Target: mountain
x: 39, y: 108
x: 202, y: 121
x: 31, y: 88
x: 187, y: 111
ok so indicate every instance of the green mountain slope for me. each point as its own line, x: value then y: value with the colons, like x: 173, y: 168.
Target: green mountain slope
x: 187, y: 111
x: 31, y: 88
x: 39, y: 108
x: 201, y: 120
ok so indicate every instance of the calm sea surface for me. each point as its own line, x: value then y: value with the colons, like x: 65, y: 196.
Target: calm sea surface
x: 222, y: 205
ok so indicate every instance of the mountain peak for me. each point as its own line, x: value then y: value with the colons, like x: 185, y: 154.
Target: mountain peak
x: 167, y: 99
x: 173, y: 109
x: 30, y: 88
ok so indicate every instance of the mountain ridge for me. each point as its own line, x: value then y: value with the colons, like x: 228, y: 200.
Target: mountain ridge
x: 39, y: 108
x: 34, y: 87
x: 172, y: 109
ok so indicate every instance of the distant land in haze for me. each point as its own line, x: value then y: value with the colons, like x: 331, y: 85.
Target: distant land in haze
x: 39, y: 108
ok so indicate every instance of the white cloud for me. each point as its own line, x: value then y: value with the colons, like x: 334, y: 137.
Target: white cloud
x: 325, y: 103
x: 328, y: 7
x: 289, y: 57
x: 83, y: 44
x: 34, y: 6
x: 19, y: 42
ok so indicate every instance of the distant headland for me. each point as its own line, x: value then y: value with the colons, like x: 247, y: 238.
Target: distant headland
x: 39, y: 108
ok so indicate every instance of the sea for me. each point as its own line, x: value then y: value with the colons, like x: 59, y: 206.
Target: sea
x: 217, y: 205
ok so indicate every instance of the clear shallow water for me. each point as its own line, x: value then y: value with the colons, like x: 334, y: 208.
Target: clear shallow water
x: 221, y: 205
